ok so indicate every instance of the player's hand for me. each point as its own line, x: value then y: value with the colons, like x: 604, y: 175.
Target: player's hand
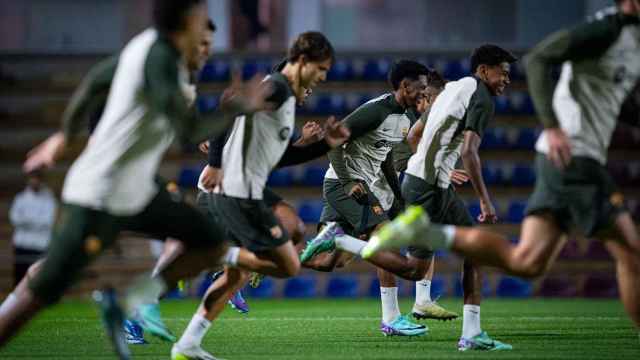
x: 487, y: 213
x: 459, y: 176
x: 211, y: 177
x: 45, y: 155
x: 204, y: 147
x: 248, y: 97
x: 358, y: 191
x: 311, y: 132
x: 559, y: 147
x: 335, y: 132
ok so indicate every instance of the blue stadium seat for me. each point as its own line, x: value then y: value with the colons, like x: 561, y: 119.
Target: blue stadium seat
x: 492, y: 174
x: 376, y: 70
x: 338, y: 104
x: 342, y: 70
x: 342, y: 286
x: 513, y: 287
x: 300, y: 287
x: 494, y: 138
x: 253, y: 66
x: 526, y: 139
x: 438, y: 286
x: 280, y: 178
x: 309, y: 211
x: 188, y: 177
x: 474, y: 209
x: 517, y: 102
x: 206, y: 103
x: 528, y: 108
x: 265, y: 290
x: 217, y: 70
x: 457, y: 69
x: 515, y: 214
x: 323, y: 105
x: 523, y: 175
x: 352, y: 101
x: 313, y: 176
x: 502, y: 105
x: 208, y: 73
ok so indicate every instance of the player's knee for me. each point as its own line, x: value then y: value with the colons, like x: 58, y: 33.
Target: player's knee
x: 531, y: 269
x: 292, y: 268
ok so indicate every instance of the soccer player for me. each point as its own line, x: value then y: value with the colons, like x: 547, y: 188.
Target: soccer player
x: 362, y: 184
x: 454, y: 129
x: 112, y: 182
x: 600, y: 65
x: 255, y: 147
x: 424, y: 307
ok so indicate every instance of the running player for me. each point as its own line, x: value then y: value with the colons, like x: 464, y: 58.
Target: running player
x: 600, y: 65
x: 112, y: 182
x: 256, y: 145
x: 362, y: 184
x: 453, y: 130
x: 424, y: 307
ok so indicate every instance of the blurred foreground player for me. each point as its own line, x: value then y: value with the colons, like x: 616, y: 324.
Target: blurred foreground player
x: 112, y: 182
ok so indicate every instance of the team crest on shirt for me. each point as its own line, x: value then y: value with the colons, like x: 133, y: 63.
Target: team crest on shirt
x: 284, y: 133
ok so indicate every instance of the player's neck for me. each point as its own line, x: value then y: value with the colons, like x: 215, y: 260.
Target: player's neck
x: 400, y: 99
x: 292, y: 73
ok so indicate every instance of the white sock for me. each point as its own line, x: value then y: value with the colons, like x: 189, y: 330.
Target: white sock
x: 441, y: 237
x: 146, y: 290
x: 423, y: 292
x: 390, y: 307
x: 195, y: 331
x: 470, y: 321
x: 231, y: 256
x: 350, y: 244
x: 8, y: 302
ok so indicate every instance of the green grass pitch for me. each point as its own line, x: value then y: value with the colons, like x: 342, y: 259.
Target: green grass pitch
x: 348, y: 329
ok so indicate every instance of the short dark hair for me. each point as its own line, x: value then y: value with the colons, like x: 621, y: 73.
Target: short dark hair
x: 313, y: 45
x: 211, y: 26
x: 434, y: 79
x: 491, y: 55
x: 169, y: 15
x: 404, y: 69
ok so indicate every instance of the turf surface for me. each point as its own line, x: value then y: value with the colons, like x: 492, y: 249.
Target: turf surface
x: 348, y: 329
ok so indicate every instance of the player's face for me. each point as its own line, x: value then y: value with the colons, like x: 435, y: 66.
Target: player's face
x: 195, y: 31
x: 497, y: 77
x: 413, y: 90
x: 204, y: 52
x: 312, y: 73
x: 430, y: 94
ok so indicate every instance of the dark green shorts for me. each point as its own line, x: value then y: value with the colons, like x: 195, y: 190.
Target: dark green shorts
x: 248, y: 223
x: 354, y: 218
x: 444, y: 206
x: 583, y: 195
x: 82, y: 234
x: 270, y: 198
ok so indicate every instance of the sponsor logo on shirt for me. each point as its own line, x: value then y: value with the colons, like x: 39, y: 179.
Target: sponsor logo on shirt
x: 284, y: 133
